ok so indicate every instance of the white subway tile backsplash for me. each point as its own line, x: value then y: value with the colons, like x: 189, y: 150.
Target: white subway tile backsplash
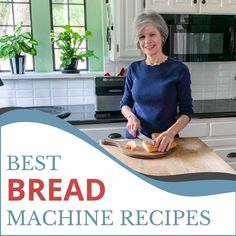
x: 42, y: 101
x: 8, y: 102
x: 209, y: 81
x: 209, y: 88
x: 89, y: 99
x: 59, y: 84
x: 76, y: 100
x: 222, y: 95
x: 24, y: 102
x: 42, y: 93
x: 59, y: 92
x: 222, y: 88
x: 41, y: 84
x: 59, y: 101
x: 7, y: 94
x: 75, y: 92
x: 75, y: 83
x: 208, y: 95
x: 47, y: 92
x: 89, y: 92
x: 88, y: 83
x: 24, y: 84
x: 24, y: 93
x: 8, y: 85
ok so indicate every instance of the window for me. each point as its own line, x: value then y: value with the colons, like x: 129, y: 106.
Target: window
x: 12, y: 12
x: 72, y: 13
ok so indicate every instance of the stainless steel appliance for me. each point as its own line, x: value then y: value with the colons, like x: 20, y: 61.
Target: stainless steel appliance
x: 196, y: 38
x: 109, y: 91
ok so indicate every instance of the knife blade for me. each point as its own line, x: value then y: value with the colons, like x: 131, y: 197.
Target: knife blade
x: 145, y: 138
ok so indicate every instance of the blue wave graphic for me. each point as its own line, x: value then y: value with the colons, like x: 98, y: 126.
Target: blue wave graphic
x: 191, y: 187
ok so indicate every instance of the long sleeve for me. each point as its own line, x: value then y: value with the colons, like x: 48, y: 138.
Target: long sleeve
x: 127, y: 98
x: 184, y: 93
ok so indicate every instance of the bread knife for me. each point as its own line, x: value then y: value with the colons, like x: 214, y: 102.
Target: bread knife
x: 145, y: 138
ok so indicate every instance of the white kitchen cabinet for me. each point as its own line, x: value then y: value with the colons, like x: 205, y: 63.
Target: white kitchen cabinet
x: 172, y: 6
x: 193, y: 6
x: 100, y: 131
x: 217, y: 133
x: 120, y: 24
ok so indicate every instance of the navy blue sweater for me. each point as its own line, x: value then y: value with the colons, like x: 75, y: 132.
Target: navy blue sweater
x: 158, y: 94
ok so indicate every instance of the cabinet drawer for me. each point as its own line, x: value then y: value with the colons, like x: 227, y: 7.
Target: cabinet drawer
x: 98, y: 134
x: 220, y: 142
x: 223, y: 152
x: 99, y: 131
x: 195, y: 130
x: 223, y: 128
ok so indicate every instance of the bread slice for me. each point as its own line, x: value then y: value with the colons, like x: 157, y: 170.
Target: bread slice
x: 131, y: 145
x: 149, y: 147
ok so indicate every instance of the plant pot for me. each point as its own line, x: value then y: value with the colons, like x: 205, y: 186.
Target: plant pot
x: 17, y: 65
x: 72, y: 68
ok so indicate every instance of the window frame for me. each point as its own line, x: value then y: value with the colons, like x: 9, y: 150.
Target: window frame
x: 13, y: 25
x: 52, y: 28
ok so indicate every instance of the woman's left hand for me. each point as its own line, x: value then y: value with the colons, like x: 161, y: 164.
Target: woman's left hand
x: 164, y: 141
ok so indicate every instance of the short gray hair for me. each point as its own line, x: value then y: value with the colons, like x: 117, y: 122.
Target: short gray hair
x: 151, y: 17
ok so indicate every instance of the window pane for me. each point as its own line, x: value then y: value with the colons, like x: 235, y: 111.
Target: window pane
x: 22, y: 13
x: 8, y: 21
x: 57, y: 58
x: 6, y: 30
x: 29, y: 62
x: 27, y: 1
x: 77, y: 1
x: 60, y: 15
x: 80, y: 30
x: 72, y: 13
x: 82, y: 65
x: 4, y: 65
x: 59, y: 1
x: 76, y: 15
x: 5, y: 14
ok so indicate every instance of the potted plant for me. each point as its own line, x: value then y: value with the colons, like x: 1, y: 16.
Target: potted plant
x: 16, y: 46
x: 69, y: 43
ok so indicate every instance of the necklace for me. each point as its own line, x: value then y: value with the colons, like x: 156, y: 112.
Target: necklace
x: 156, y: 62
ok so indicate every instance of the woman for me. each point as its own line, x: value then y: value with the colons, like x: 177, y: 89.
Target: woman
x: 156, y: 87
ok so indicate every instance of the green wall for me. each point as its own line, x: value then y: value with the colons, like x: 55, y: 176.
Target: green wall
x: 41, y: 30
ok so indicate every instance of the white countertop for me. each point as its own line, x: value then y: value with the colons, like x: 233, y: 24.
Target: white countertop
x: 49, y: 75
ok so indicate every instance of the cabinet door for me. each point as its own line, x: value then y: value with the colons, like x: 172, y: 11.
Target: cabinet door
x: 126, y: 44
x: 173, y: 6
x: 217, y: 6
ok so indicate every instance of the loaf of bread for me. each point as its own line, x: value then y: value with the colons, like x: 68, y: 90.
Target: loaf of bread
x: 149, y: 147
x: 131, y: 145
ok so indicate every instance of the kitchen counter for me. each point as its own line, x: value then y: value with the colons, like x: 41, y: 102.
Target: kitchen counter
x: 190, y: 156
x: 85, y: 114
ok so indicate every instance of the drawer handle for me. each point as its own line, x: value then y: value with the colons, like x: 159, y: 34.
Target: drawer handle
x: 231, y: 155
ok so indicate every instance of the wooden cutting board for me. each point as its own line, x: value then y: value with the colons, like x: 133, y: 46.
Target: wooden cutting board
x: 191, y: 155
x: 139, y: 151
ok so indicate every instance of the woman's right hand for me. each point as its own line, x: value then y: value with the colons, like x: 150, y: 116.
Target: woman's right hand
x: 133, y: 125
